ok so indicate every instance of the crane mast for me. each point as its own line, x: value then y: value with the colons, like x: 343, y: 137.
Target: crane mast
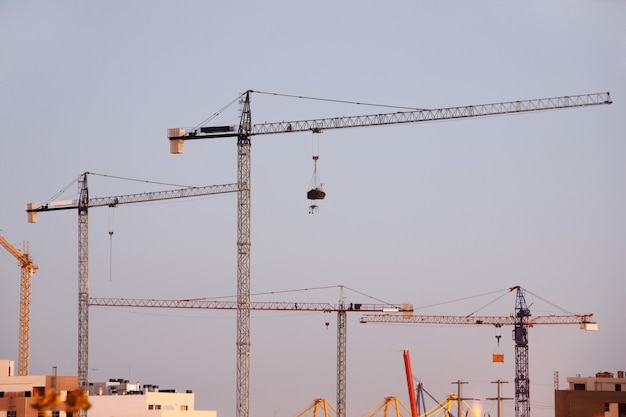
x: 520, y: 321
x: 83, y: 286
x: 177, y: 137
x: 83, y: 204
x: 28, y: 268
x: 520, y: 334
x: 243, y: 260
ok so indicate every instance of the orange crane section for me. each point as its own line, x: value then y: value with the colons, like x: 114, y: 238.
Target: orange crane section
x: 409, y: 382
x: 28, y: 268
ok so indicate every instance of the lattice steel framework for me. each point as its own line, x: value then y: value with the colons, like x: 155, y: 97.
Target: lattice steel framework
x: 520, y: 334
x: 28, y: 268
x: 342, y: 360
x: 341, y: 309
x: 83, y: 204
x: 83, y: 287
x: 243, y: 261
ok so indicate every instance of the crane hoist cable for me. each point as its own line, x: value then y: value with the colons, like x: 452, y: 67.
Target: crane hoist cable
x: 111, y: 231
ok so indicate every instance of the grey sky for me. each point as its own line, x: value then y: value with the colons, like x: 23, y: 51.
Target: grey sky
x: 420, y: 213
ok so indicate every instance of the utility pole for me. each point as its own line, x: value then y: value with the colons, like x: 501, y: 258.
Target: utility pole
x: 499, y: 398
x: 459, y: 385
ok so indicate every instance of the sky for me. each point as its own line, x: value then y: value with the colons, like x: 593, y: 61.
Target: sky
x: 423, y: 213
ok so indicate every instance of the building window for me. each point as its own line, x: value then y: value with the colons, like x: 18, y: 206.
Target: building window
x: 618, y: 387
x: 12, y: 413
x: 579, y: 387
x: 607, y: 407
x: 184, y: 407
x: 150, y: 406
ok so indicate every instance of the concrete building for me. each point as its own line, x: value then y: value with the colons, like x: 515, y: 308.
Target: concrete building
x: 116, y: 397
x: 602, y: 395
x: 17, y: 392
x: 119, y: 398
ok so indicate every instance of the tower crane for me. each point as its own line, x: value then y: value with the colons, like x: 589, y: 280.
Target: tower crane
x: 83, y: 204
x: 521, y: 321
x: 341, y: 309
x: 28, y: 268
x: 246, y: 130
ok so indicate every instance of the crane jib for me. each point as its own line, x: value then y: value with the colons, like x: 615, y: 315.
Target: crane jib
x: 400, y: 117
x: 425, y: 115
x: 136, y: 198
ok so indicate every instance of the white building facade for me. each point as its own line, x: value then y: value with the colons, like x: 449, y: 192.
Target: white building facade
x: 115, y: 397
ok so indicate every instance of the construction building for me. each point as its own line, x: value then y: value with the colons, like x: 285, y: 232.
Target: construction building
x: 602, y: 395
x: 116, y: 397
x: 18, y: 392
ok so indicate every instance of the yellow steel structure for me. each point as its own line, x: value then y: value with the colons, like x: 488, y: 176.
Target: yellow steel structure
x: 389, y: 404
x: 444, y: 408
x: 318, y: 404
x: 28, y: 269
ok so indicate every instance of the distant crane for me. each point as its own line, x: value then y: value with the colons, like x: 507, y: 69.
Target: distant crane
x: 390, y: 406
x: 83, y: 204
x: 28, y: 268
x: 318, y: 405
x: 341, y: 309
x: 244, y: 133
x: 521, y: 321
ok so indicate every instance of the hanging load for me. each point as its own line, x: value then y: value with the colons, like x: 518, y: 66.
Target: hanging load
x: 498, y: 356
x: 316, y: 194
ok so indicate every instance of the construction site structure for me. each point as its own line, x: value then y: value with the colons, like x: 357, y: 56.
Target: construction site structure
x: 82, y: 205
x: 246, y: 130
x: 342, y: 308
x: 28, y: 268
x: 319, y: 405
x: 390, y: 406
x: 444, y: 408
x: 521, y: 321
